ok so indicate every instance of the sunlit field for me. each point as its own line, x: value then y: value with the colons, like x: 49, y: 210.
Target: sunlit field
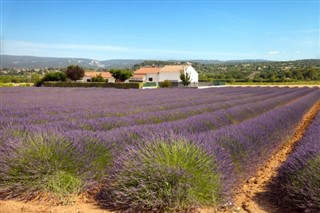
x: 163, y: 149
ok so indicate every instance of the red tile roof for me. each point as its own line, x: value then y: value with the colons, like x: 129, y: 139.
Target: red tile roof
x: 138, y: 76
x: 95, y: 74
x: 147, y: 70
x: 174, y: 68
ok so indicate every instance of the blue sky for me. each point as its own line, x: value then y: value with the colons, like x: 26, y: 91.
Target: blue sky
x: 224, y: 30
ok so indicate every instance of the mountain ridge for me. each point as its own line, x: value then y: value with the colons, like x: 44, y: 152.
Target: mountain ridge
x: 34, y: 62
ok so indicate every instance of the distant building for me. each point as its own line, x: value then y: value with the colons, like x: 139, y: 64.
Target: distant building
x: 146, y: 74
x: 168, y: 72
x: 172, y: 73
x: 89, y: 75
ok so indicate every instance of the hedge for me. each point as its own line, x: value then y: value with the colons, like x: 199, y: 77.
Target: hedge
x: 149, y: 84
x: 95, y: 84
x: 16, y: 84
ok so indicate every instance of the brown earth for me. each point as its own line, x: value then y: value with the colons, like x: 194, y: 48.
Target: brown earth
x: 248, y: 198
x: 12, y: 206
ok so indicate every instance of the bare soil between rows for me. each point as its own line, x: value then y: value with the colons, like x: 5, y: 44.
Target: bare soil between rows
x: 13, y: 206
x: 253, y: 197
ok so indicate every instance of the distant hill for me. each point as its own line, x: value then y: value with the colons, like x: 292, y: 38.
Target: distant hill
x: 32, y: 62
x: 229, y: 61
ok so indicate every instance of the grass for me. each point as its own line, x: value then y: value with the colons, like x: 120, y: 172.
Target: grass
x: 162, y: 176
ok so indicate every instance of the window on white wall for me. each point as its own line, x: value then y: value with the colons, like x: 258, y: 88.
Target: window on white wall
x: 150, y: 79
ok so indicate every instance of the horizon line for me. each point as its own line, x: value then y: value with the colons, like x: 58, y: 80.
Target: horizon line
x: 145, y: 59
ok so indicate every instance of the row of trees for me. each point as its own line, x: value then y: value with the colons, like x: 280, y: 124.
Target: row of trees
x: 300, y: 70
x: 20, y: 78
x: 306, y: 74
x: 268, y: 71
x: 72, y: 73
x: 75, y: 73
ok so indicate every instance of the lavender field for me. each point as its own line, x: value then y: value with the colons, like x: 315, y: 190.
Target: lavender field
x: 164, y: 149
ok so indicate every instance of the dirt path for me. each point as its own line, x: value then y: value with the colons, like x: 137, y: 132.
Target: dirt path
x: 249, y: 198
x: 12, y: 206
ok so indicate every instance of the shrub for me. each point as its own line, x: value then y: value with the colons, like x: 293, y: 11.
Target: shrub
x: 165, y: 176
x: 54, y: 76
x: 36, y: 78
x: 51, y: 76
x: 38, y: 83
x: 165, y: 83
x: 37, y: 165
x: 95, y: 84
x: 232, y: 80
x: 75, y: 72
x: 98, y: 78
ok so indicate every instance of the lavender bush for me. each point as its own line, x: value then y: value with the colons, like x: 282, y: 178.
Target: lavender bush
x: 165, y: 175
x: 299, y: 177
x: 42, y: 164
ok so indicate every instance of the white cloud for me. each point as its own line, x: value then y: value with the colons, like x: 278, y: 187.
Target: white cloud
x: 12, y: 45
x: 274, y: 52
x: 106, y: 51
x: 42, y: 46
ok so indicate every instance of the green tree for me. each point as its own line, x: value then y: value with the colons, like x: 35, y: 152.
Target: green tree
x: 75, y: 72
x: 297, y: 74
x: 120, y: 75
x: 35, y: 78
x: 5, y: 78
x: 54, y: 76
x: 185, y: 78
x: 310, y: 74
x: 98, y: 78
x: 51, y: 76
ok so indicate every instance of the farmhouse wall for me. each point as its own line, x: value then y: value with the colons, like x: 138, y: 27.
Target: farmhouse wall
x: 171, y: 76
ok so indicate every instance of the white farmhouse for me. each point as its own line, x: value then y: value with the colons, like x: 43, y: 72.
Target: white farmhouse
x: 160, y: 74
x: 146, y: 74
x: 172, y: 73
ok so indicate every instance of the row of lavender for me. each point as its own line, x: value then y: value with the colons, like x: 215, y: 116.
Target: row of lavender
x: 299, y: 177
x: 238, y: 150
x: 116, y: 102
x: 101, y: 104
x: 207, y: 111
x: 217, y: 146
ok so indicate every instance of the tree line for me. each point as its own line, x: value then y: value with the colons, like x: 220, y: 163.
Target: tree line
x: 75, y: 72
x: 302, y: 70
